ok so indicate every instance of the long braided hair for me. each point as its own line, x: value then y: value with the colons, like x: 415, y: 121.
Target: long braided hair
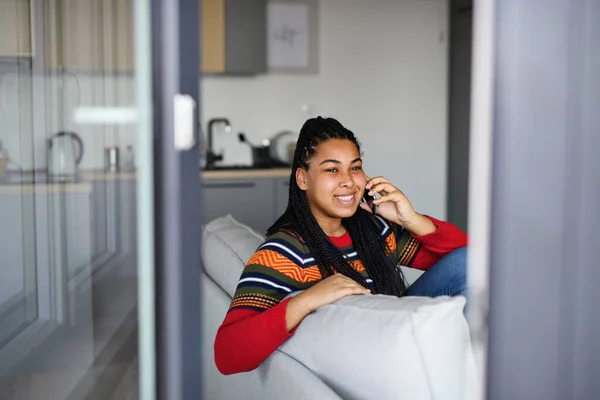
x: 365, y: 234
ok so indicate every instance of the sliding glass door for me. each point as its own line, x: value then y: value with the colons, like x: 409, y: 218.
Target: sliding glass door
x: 98, y: 190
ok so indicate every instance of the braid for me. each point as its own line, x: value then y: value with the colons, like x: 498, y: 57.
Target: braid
x: 372, y: 249
x: 325, y: 253
x: 369, y: 244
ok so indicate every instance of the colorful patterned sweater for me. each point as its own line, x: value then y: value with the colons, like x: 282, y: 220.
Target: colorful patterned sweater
x: 256, y: 322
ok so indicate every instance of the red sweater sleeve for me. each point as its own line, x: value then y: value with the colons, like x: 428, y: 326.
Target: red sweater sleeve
x: 247, y: 337
x: 434, y: 246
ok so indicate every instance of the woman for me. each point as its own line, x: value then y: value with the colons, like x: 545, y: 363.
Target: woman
x: 328, y: 244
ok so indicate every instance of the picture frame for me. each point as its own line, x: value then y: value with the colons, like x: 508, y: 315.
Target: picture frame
x: 293, y: 36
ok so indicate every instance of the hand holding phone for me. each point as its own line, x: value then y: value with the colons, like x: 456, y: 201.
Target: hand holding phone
x: 369, y: 200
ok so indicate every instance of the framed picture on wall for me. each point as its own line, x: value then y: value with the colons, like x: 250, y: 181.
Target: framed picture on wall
x: 292, y: 36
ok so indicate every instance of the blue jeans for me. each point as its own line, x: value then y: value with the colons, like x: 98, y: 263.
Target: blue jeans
x: 447, y: 277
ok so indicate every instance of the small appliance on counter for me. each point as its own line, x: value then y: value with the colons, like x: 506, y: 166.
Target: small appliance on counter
x: 111, y: 159
x: 262, y: 156
x: 65, y: 151
x: 283, y: 145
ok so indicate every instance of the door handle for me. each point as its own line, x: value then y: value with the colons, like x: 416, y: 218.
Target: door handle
x: 184, y: 122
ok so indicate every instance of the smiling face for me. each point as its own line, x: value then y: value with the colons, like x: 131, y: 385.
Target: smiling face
x: 334, y: 182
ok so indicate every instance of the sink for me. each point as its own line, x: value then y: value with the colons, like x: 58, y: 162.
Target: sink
x: 232, y: 167
x: 238, y: 167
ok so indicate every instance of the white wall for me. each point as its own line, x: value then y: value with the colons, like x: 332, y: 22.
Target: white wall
x: 382, y: 73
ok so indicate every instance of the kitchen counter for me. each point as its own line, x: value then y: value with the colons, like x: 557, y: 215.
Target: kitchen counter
x: 246, y: 173
x: 23, y: 183
x: 99, y: 175
x: 38, y: 183
x: 45, y: 188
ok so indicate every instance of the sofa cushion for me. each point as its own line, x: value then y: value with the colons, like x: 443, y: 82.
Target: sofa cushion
x: 381, y: 347
x: 226, y: 247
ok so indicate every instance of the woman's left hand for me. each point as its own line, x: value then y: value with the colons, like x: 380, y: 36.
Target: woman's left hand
x: 394, y: 206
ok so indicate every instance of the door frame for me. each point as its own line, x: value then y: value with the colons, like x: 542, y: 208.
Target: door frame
x: 177, y: 225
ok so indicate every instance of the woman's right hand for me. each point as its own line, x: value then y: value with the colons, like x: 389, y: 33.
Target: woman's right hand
x: 325, y: 292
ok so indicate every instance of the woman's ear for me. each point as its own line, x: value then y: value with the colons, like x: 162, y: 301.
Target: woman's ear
x: 302, y: 178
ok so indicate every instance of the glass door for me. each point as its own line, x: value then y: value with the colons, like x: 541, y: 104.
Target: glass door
x: 18, y: 283
x: 97, y: 194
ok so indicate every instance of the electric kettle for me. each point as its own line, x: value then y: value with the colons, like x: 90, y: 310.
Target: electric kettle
x: 65, y: 150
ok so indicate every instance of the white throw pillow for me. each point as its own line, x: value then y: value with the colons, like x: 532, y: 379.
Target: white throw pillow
x: 227, y: 245
x: 382, y: 347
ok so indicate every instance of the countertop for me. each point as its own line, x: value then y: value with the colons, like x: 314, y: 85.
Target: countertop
x: 217, y: 174
x: 247, y: 173
x: 29, y: 183
x: 45, y: 188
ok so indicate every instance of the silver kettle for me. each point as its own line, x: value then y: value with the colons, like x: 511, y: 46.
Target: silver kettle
x: 65, y: 150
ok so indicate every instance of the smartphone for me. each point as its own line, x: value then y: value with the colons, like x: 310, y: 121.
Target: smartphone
x: 369, y: 200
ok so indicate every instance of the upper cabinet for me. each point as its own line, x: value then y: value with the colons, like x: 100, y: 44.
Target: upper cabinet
x: 234, y: 36
x: 15, y: 28
x: 90, y: 35
x: 97, y: 35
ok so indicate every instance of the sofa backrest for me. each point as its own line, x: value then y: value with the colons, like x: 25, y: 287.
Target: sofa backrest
x: 226, y: 247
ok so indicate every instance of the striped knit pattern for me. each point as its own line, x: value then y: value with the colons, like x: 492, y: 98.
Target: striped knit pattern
x: 283, y: 264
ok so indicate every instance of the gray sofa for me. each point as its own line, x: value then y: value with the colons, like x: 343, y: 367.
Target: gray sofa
x: 427, y: 329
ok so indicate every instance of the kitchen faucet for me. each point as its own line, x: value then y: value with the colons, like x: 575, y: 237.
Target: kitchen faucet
x: 211, y: 156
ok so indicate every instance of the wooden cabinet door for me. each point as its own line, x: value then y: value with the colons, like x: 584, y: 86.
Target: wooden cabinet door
x: 81, y: 35
x: 123, y: 40
x: 15, y: 28
x: 95, y: 35
x: 212, y: 47
x: 117, y: 35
